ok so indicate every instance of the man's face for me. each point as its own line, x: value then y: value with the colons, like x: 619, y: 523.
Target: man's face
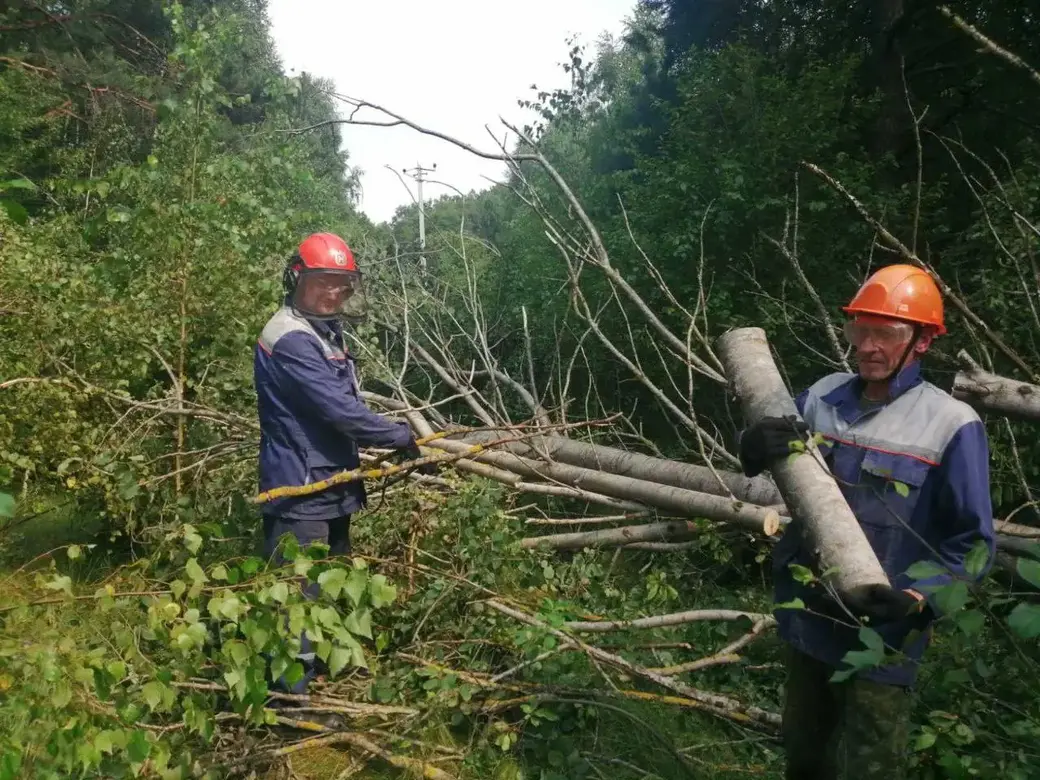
x: 880, y: 343
x: 324, y: 294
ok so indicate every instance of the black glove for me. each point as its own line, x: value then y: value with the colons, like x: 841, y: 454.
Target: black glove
x: 411, y: 451
x: 879, y: 605
x: 768, y: 440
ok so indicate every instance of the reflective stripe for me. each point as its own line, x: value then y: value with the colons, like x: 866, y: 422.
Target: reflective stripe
x: 286, y: 321
x: 862, y: 444
x: 919, y: 423
x: 306, y: 656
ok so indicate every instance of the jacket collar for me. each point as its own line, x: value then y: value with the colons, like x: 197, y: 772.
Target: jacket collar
x: 846, y: 397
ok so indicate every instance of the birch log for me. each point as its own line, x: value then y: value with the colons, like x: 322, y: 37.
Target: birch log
x: 1016, y: 529
x: 757, y: 490
x: 998, y: 395
x: 627, y: 493
x: 808, y: 488
x: 615, y: 537
x: 684, y: 503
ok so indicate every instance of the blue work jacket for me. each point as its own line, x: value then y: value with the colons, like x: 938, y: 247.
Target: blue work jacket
x: 312, y: 416
x: 933, y: 444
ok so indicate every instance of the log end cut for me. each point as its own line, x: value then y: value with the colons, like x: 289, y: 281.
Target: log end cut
x: 771, y: 523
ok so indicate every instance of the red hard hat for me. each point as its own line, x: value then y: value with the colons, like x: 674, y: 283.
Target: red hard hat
x: 901, y: 292
x: 326, y: 252
x: 319, y: 253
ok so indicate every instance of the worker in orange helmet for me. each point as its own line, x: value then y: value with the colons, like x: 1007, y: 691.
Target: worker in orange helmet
x: 913, y: 465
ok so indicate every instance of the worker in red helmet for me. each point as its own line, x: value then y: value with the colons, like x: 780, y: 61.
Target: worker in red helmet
x: 913, y: 465
x: 321, y: 277
x: 312, y: 416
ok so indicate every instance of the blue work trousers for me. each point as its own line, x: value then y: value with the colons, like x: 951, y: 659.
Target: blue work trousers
x: 336, y: 534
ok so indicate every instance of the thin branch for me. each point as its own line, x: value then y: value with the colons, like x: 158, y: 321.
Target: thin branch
x: 990, y: 45
x: 720, y: 705
x: 673, y: 619
x: 828, y: 323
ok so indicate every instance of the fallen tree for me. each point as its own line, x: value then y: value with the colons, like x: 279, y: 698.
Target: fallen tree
x: 702, y: 479
x: 605, y: 488
x: 997, y: 395
x: 835, y: 537
x: 685, y: 503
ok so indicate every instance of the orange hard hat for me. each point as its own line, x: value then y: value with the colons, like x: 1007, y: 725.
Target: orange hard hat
x: 902, y: 292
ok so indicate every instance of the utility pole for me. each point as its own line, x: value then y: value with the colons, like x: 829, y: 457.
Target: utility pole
x: 419, y: 174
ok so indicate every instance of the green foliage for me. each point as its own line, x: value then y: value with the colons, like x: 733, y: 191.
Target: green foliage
x: 152, y: 273
x: 94, y: 685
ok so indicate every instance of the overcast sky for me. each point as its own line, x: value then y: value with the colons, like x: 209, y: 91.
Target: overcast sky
x: 450, y: 65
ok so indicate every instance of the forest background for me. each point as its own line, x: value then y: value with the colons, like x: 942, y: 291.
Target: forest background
x: 725, y: 164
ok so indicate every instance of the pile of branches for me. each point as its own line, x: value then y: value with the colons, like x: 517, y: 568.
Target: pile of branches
x: 390, y: 733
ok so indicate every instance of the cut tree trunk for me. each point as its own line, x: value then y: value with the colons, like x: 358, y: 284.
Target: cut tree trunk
x: 684, y: 503
x: 757, y: 490
x: 806, y: 483
x: 628, y: 493
x: 998, y: 395
x: 1020, y: 547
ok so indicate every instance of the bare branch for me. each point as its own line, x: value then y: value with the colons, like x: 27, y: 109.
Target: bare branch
x: 828, y: 324
x: 673, y: 619
x: 991, y: 45
x: 720, y: 705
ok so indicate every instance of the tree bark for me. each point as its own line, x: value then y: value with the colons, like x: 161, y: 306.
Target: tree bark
x: 1017, y: 529
x: 684, y: 503
x: 806, y: 483
x: 614, y: 537
x: 998, y: 395
x: 688, y: 476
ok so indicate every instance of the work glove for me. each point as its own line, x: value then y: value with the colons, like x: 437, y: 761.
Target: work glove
x: 881, y: 604
x: 767, y: 440
x: 411, y: 451
x: 884, y: 604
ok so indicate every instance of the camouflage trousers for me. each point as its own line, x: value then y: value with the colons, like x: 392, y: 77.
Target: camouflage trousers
x: 852, y: 730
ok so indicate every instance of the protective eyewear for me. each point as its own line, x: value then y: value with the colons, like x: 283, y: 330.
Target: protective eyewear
x: 333, y: 284
x: 889, y: 334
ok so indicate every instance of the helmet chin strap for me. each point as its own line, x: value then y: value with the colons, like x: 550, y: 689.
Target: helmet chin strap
x: 918, y: 329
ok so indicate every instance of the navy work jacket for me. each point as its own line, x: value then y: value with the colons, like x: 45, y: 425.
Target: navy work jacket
x: 312, y: 416
x: 930, y: 442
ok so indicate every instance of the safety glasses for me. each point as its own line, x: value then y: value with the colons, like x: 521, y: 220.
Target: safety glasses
x: 888, y: 334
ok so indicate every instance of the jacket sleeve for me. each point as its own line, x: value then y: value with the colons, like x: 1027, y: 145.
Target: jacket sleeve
x: 799, y: 402
x: 315, y: 389
x: 963, y: 510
